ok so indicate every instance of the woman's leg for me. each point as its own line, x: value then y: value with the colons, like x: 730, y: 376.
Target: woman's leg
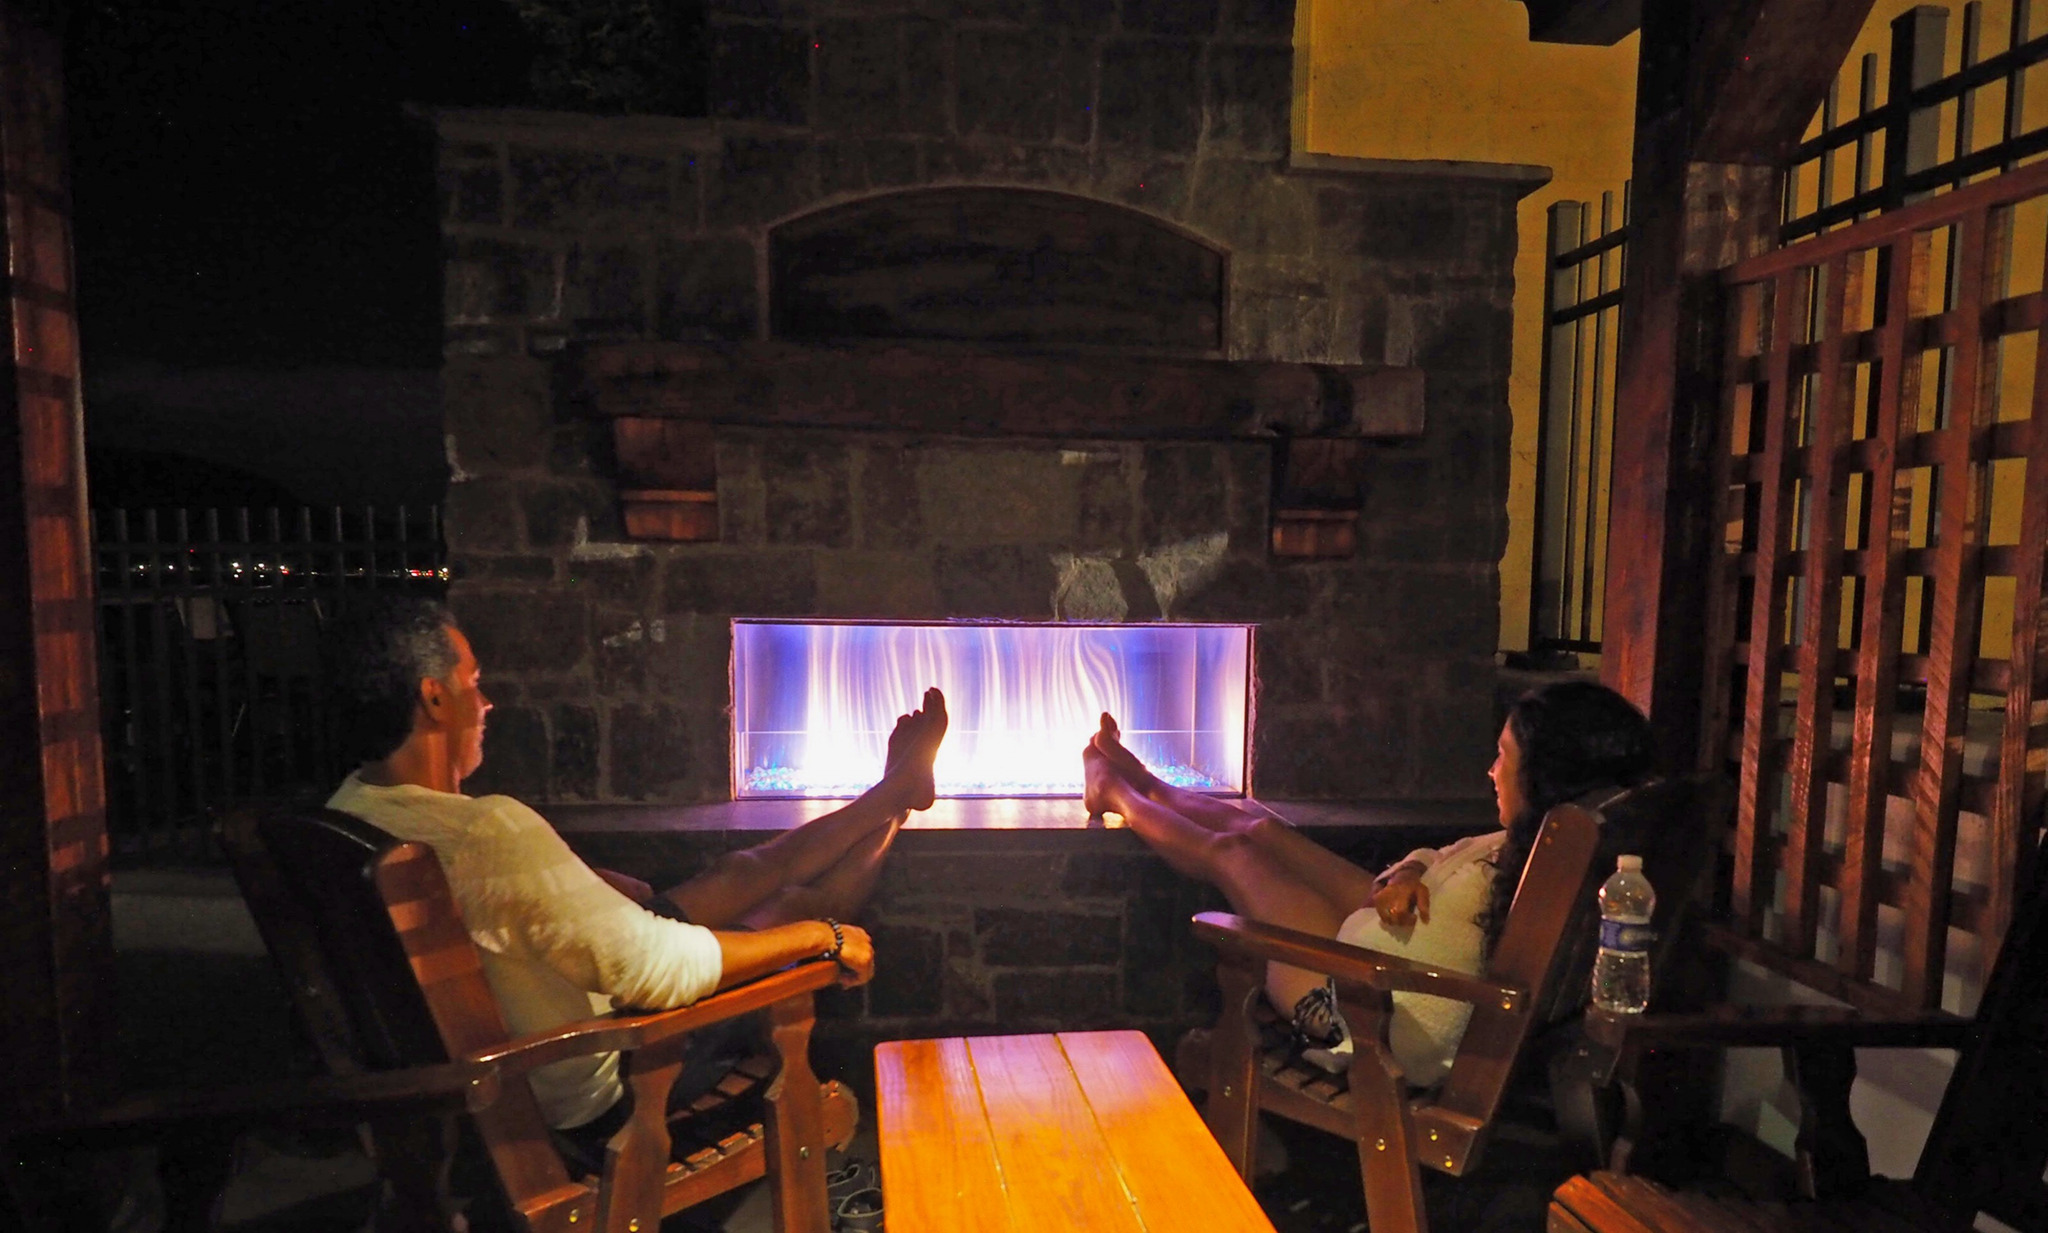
x: 1328, y: 874
x: 1215, y: 812
x: 739, y: 882
x: 1251, y: 878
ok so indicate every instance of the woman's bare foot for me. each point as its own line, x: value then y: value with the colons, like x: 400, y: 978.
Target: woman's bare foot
x: 912, y: 748
x: 1108, y: 740
x: 1104, y: 788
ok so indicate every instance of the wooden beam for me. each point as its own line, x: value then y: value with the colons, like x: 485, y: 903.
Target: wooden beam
x: 957, y: 391
x: 1599, y: 23
x: 56, y: 947
x: 1725, y: 88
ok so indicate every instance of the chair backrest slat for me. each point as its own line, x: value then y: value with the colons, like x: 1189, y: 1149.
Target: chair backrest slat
x: 1678, y: 826
x: 444, y: 960
x: 393, y: 947
x: 323, y: 860
x: 1555, y: 880
x: 294, y: 945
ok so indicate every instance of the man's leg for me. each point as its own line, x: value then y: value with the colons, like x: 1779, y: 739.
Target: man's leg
x: 740, y: 882
x: 838, y: 895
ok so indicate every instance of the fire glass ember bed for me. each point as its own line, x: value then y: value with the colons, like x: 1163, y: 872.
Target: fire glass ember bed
x: 813, y: 703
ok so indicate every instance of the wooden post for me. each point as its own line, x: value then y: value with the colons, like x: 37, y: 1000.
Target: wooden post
x: 1724, y: 89
x: 56, y: 948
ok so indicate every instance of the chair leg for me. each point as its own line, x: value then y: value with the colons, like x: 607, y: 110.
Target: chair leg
x: 195, y: 1166
x: 796, y: 1124
x: 1384, y: 1130
x: 1232, y: 1108
x: 1833, y: 1158
x: 636, y: 1159
x: 413, y: 1157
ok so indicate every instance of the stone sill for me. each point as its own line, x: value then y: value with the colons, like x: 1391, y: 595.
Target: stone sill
x: 1447, y: 818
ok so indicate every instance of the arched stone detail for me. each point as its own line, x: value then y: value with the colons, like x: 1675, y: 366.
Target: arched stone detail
x: 996, y: 265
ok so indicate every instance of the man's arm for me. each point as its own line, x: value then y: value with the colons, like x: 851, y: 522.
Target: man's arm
x: 748, y: 954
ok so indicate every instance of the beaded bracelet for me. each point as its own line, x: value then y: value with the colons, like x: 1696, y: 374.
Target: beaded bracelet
x: 838, y: 940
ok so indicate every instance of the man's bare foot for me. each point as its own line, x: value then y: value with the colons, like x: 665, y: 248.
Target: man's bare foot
x: 912, y: 748
x: 1108, y: 740
x: 1104, y: 788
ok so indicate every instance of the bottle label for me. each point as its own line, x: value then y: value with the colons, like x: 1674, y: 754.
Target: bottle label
x: 1625, y: 935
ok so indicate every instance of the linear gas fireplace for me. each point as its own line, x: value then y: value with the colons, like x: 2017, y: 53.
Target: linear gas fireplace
x: 814, y: 701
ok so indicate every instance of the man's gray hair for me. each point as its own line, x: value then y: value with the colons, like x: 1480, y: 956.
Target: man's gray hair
x: 381, y: 651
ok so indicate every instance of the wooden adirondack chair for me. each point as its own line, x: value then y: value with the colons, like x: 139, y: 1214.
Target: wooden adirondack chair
x: 385, y: 975
x: 1526, y: 1004
x: 1397, y: 1131
x: 1986, y: 1152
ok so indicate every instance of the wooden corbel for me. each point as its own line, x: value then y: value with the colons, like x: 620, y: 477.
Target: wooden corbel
x: 668, y: 479
x: 1317, y: 493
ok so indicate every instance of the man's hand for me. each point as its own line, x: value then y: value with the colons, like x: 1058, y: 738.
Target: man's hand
x: 1402, y: 901
x: 856, y: 957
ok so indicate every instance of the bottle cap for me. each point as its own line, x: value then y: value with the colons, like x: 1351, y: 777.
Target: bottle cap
x: 1628, y: 862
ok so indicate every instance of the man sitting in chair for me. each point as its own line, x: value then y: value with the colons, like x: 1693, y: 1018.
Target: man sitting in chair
x: 560, y: 940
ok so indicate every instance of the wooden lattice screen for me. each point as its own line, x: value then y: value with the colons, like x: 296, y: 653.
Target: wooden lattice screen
x: 1877, y: 619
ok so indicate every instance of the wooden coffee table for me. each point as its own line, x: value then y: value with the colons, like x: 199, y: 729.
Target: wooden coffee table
x: 1076, y: 1131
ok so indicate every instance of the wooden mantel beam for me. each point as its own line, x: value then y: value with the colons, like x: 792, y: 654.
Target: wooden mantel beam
x: 1725, y: 89
x: 977, y: 392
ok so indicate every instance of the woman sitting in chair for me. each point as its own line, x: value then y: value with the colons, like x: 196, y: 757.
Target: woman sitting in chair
x: 1445, y: 906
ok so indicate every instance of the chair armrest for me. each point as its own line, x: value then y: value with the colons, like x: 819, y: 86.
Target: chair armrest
x: 1387, y: 973
x: 330, y: 1100
x: 1734, y: 1027
x: 631, y: 1032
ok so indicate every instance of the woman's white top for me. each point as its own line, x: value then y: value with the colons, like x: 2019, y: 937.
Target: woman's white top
x: 1425, y: 1029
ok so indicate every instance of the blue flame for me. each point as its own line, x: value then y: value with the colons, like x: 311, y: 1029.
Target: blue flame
x: 814, y: 703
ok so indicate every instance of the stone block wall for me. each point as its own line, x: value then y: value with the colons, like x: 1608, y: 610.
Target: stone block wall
x: 1015, y: 931
x: 608, y: 659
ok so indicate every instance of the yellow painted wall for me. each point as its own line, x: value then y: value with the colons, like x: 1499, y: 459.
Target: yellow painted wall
x: 1459, y: 79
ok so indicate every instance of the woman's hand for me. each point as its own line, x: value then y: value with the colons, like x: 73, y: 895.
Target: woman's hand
x: 856, y: 957
x: 1402, y: 901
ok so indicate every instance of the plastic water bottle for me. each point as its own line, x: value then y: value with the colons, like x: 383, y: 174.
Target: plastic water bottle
x: 1621, y: 972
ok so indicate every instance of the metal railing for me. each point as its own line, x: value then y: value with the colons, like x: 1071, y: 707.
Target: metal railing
x: 1586, y: 257
x: 1934, y: 131
x: 210, y: 681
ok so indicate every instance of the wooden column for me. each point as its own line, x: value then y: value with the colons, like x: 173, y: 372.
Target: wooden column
x: 1724, y: 90
x: 56, y: 949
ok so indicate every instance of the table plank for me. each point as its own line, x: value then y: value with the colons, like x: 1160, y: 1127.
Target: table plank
x: 1046, y: 1138
x: 939, y: 1162
x: 1170, y: 1165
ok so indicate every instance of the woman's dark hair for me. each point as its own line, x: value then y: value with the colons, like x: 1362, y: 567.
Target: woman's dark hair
x: 1574, y: 736
x: 378, y: 653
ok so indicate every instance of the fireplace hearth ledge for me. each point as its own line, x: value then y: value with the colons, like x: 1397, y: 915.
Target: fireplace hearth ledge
x: 1449, y: 818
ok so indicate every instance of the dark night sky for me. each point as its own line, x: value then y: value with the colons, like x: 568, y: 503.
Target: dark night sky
x: 247, y: 186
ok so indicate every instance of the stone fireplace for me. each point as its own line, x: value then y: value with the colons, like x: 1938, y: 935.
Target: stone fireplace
x: 573, y: 239
x: 957, y: 310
